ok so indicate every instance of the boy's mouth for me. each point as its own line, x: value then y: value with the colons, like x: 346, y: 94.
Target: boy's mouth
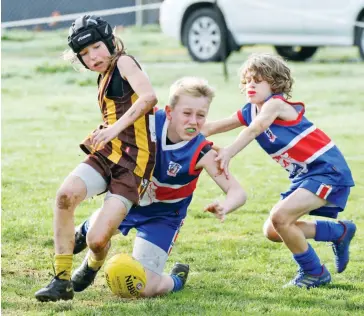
x: 190, y: 130
x: 251, y: 92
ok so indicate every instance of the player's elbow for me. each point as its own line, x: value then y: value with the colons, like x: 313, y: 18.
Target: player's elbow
x: 243, y: 197
x: 150, y: 100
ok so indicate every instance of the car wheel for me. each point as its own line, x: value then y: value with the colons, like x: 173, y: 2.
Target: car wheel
x: 296, y: 53
x: 360, y: 40
x: 205, y: 35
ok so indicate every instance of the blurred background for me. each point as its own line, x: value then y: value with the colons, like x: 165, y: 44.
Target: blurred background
x: 21, y: 10
x: 212, y: 29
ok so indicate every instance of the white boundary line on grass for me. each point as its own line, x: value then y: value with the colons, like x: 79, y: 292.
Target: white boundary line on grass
x: 69, y: 17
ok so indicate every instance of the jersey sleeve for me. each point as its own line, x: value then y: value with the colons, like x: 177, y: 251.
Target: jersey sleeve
x: 204, y: 150
x: 195, y: 158
x: 241, y: 117
x: 243, y: 114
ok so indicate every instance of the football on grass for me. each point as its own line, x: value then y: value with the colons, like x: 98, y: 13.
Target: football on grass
x: 125, y: 276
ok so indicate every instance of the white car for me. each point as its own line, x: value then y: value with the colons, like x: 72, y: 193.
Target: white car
x: 212, y: 29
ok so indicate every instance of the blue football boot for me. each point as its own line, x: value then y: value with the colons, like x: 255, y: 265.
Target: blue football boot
x: 80, y: 240
x: 308, y: 281
x: 341, y: 246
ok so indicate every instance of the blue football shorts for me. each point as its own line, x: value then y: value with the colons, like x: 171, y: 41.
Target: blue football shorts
x: 155, y: 238
x: 336, y: 196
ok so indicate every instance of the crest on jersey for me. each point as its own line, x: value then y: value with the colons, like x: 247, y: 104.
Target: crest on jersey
x: 270, y: 135
x: 173, y: 168
x: 293, y: 166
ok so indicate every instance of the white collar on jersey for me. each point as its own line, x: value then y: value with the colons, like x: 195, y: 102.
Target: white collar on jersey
x: 164, y: 139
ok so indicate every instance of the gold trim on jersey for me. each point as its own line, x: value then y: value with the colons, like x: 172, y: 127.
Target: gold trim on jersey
x: 116, y: 152
x: 141, y: 140
x: 103, y: 84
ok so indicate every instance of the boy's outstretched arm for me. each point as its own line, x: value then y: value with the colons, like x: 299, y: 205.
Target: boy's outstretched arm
x: 221, y: 126
x: 235, y: 194
x: 269, y: 112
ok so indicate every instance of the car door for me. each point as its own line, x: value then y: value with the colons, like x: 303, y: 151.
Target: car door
x: 330, y: 19
x: 263, y: 21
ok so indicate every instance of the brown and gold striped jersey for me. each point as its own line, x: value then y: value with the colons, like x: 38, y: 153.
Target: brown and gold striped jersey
x: 134, y: 148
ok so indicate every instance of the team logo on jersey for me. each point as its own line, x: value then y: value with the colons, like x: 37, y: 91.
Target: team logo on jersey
x: 270, y: 135
x: 293, y: 166
x: 173, y: 168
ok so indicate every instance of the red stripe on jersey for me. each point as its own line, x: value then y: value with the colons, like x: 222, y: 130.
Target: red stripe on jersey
x: 192, y: 171
x: 241, y: 118
x: 309, y: 145
x: 293, y: 122
x: 166, y: 193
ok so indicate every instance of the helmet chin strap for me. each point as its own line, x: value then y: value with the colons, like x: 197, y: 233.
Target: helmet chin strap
x: 81, y: 60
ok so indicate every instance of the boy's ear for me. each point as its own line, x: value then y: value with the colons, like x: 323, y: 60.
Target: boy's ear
x: 168, y: 110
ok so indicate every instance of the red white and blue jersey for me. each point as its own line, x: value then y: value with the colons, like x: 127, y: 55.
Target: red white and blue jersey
x: 174, y: 177
x: 301, y: 148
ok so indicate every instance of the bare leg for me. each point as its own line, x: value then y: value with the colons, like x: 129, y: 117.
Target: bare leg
x: 157, y: 284
x: 98, y: 239
x: 286, y: 213
x: 308, y: 228
x: 69, y: 196
x: 104, y: 226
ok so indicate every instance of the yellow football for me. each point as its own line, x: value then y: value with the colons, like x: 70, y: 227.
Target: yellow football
x: 125, y: 276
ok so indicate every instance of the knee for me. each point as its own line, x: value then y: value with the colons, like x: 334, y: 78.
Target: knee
x: 66, y: 199
x: 97, y: 243
x: 278, y: 218
x: 269, y: 232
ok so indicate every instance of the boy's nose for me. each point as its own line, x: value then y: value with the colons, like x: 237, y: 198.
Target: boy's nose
x: 193, y: 120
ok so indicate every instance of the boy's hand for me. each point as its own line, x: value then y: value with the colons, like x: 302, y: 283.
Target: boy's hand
x: 101, y: 137
x: 217, y: 209
x: 223, y: 158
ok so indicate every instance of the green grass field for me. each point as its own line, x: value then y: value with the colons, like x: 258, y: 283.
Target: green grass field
x: 48, y: 108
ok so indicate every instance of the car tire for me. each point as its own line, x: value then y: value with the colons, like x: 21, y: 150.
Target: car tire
x: 205, y: 35
x: 360, y: 40
x: 296, y: 53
